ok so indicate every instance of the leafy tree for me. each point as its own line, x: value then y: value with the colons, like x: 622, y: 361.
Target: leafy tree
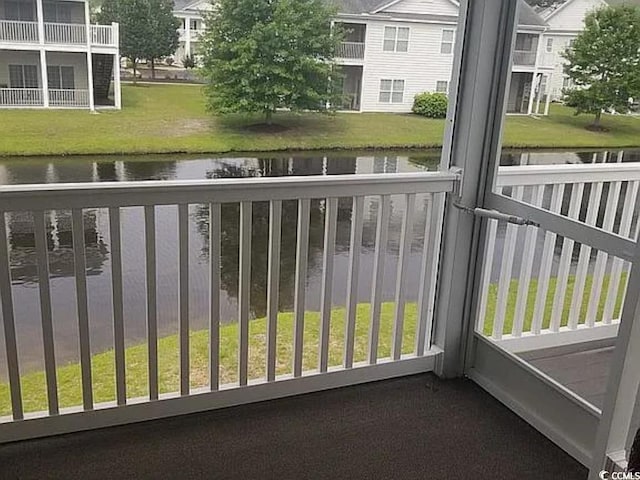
x: 164, y: 31
x: 604, y: 62
x: 261, y: 55
x: 148, y: 29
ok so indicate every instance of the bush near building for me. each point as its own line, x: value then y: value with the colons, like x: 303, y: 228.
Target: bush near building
x: 431, y: 105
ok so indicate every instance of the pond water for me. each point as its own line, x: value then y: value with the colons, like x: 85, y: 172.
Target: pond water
x: 101, y: 169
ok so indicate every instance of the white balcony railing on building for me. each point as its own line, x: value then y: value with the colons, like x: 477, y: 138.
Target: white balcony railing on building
x: 13, y: 31
x: 372, y: 340
x: 352, y: 50
x: 524, y: 58
x: 65, y: 33
x: 104, y: 35
x: 537, y: 283
x: 20, y: 97
x: 68, y: 98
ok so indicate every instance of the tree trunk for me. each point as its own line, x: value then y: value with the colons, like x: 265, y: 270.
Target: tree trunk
x: 596, y: 121
x: 135, y: 68
x: 269, y: 117
x: 153, y: 69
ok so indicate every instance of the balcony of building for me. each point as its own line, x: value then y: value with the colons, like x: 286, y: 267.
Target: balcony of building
x: 64, y: 23
x: 353, y: 44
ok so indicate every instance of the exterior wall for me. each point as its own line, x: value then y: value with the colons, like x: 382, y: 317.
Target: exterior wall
x: 17, y: 58
x: 433, y: 7
x: 420, y: 67
x: 76, y: 60
x: 571, y: 16
x: 560, y: 44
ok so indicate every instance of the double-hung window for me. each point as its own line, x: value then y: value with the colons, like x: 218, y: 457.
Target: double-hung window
x: 61, y: 78
x: 396, y: 39
x: 23, y: 76
x: 442, y: 86
x: 391, y: 91
x: 549, y: 46
x: 446, y: 44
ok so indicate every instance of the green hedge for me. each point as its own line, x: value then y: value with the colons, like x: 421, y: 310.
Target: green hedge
x: 431, y: 105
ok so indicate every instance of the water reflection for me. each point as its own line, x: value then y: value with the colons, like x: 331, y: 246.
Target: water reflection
x: 96, y: 230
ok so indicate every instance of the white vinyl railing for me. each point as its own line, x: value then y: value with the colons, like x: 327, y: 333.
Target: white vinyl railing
x: 13, y: 31
x: 524, y: 58
x: 68, y: 98
x: 20, y: 97
x: 350, y: 50
x: 65, y: 33
x: 412, y: 356
x: 537, y: 282
x: 104, y: 35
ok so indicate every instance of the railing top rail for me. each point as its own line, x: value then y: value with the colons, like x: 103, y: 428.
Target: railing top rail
x: 29, y: 22
x: 142, y: 193
x: 569, y: 173
x: 60, y: 24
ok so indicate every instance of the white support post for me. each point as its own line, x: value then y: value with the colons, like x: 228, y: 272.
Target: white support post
x: 43, y: 55
x: 87, y: 18
x: 539, y: 94
x: 479, y: 91
x: 548, y: 93
x: 187, y: 39
x: 532, y: 93
x: 117, y: 87
x: 44, y: 78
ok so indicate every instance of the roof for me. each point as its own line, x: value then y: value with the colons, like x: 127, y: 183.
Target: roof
x: 528, y: 16
x: 546, y: 12
x: 182, y: 5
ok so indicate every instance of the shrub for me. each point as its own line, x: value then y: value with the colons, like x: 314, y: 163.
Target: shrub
x: 169, y: 61
x: 188, y: 62
x: 431, y: 105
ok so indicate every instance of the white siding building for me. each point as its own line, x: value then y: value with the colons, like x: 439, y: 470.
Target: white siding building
x: 191, y: 14
x: 394, y: 50
x: 52, y: 57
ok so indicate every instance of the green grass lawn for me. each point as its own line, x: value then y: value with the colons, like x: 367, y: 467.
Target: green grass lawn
x: 69, y: 377
x: 173, y: 119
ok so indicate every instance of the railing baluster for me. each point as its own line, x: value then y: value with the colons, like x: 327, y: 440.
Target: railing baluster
x: 45, y: 311
x: 425, y: 274
x: 546, y: 264
x: 584, y: 257
x: 214, y: 295
x: 183, y: 281
x: 577, y: 192
x: 599, y: 270
x: 302, y: 252
x: 382, y: 235
x: 152, y: 312
x: 82, y: 306
x: 118, y: 305
x: 244, y: 286
x: 506, y: 268
x: 630, y: 198
x: 524, y: 280
x: 406, y: 240
x: 273, y: 287
x: 8, y: 320
x: 331, y: 218
x: 355, y: 244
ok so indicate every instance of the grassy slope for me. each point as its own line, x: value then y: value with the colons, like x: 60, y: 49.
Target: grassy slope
x: 172, y: 119
x: 69, y: 383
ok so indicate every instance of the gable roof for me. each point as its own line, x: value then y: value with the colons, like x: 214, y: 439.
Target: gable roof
x: 195, y: 5
x: 527, y: 16
x: 548, y: 12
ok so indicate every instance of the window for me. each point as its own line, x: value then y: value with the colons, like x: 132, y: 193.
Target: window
x: 549, y: 46
x: 396, y: 39
x: 442, y: 86
x: 23, y: 76
x: 446, y: 46
x: 61, y: 78
x: 571, y: 42
x: 20, y: 11
x: 567, y: 83
x: 194, y: 25
x: 391, y: 91
x: 184, y: 23
x: 57, y: 12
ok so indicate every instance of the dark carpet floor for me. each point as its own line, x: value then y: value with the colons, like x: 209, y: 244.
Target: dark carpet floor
x: 410, y: 428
